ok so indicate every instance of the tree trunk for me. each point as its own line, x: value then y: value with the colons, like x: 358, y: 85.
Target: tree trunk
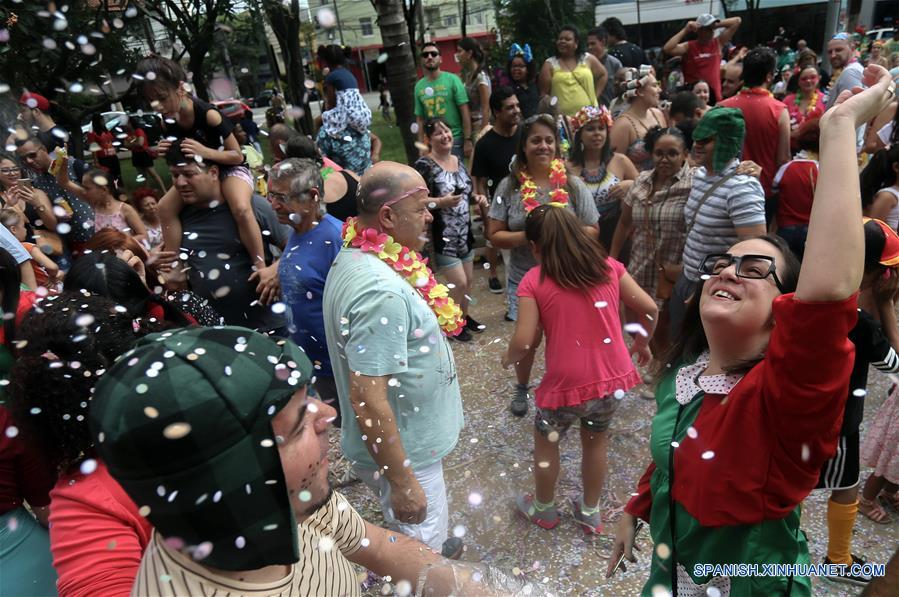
x: 196, y: 66
x: 285, y: 23
x: 401, y: 73
x: 464, y: 17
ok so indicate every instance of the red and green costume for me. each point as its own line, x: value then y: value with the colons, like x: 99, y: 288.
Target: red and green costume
x: 746, y: 450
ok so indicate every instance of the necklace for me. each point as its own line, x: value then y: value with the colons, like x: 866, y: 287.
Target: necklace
x: 412, y: 268
x: 558, y: 197
x: 811, y: 102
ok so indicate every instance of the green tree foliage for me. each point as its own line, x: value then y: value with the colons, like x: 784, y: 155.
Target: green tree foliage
x: 537, y: 22
x: 74, y: 54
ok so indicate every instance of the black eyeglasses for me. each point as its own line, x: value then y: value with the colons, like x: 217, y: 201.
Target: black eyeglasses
x: 430, y: 54
x: 13, y: 170
x: 752, y: 267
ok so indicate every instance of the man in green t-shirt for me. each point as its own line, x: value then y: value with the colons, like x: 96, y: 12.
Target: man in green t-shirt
x: 440, y: 94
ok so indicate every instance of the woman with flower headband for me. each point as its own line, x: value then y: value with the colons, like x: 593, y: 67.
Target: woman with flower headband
x: 522, y: 73
x: 450, y: 187
x: 538, y: 176
x: 608, y: 175
x: 753, y: 391
x: 806, y: 103
x: 574, y: 294
x: 573, y: 78
x: 642, y: 114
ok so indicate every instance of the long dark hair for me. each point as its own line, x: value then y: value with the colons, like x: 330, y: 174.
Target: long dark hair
x: 576, y: 152
x: 470, y: 45
x: 10, y: 281
x: 691, y: 341
x: 66, y: 345
x: 568, y: 256
x: 879, y: 173
x: 531, y: 69
x: 105, y: 274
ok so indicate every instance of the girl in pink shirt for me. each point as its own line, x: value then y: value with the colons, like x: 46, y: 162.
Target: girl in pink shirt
x: 573, y: 294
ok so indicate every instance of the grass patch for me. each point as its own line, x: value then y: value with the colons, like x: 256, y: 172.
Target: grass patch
x: 392, y: 149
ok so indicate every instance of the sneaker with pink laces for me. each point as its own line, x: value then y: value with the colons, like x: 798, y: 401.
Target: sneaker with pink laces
x: 545, y: 519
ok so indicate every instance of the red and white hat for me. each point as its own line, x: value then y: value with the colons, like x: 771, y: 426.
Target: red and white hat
x: 35, y: 100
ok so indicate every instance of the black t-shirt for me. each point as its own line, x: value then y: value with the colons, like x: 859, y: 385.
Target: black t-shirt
x: 492, y: 156
x: 220, y: 267
x: 630, y: 54
x: 210, y: 136
x: 871, y: 348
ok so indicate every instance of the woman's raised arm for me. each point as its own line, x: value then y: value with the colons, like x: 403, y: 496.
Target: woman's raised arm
x: 835, y: 249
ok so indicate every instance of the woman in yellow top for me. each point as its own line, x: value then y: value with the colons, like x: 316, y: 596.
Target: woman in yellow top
x: 575, y: 79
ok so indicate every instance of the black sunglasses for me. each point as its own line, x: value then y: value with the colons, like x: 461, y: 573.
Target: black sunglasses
x: 430, y: 54
x: 751, y: 267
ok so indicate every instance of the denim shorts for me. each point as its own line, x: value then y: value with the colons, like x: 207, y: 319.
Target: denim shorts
x: 512, y: 298
x: 446, y: 262
x: 595, y: 415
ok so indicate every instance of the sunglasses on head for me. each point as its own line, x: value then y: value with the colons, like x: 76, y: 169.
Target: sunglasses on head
x: 430, y: 54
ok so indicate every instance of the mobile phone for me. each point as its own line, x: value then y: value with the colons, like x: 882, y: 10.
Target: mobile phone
x: 637, y: 529
x: 24, y: 182
x: 458, y: 190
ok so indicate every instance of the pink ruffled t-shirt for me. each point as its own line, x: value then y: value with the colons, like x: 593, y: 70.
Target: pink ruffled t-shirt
x: 586, y: 356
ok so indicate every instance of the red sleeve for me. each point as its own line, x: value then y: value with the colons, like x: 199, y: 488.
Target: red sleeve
x: 97, y: 541
x: 528, y: 285
x: 805, y: 382
x: 24, y: 475
x: 640, y: 503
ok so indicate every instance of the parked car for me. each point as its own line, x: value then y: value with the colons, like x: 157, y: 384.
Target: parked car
x: 232, y: 109
x: 883, y: 34
x: 264, y: 99
x: 110, y: 119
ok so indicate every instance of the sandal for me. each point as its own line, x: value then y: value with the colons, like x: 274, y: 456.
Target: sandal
x: 890, y: 500
x: 873, y: 511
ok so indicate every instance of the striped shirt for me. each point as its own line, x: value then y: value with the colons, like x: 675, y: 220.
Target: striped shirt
x: 737, y: 203
x: 334, y: 531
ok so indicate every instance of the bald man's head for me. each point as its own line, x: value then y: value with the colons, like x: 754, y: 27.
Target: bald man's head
x: 403, y: 191
x: 385, y: 181
x: 278, y: 136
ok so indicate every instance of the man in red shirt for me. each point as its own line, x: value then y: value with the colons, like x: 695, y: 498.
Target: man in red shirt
x: 767, y: 141
x: 702, y: 56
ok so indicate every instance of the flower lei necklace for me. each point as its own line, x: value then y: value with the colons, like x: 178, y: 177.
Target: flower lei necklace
x: 410, y: 265
x: 812, y: 102
x: 558, y: 197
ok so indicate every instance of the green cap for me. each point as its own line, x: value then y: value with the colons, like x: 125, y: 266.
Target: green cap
x: 728, y: 128
x: 183, y: 423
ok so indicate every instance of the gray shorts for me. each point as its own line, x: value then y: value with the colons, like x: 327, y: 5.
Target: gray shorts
x: 595, y: 415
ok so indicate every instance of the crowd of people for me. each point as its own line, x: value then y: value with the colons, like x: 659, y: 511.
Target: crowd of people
x: 716, y: 232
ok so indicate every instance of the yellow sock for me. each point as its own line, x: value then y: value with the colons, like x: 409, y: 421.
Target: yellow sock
x: 840, y: 520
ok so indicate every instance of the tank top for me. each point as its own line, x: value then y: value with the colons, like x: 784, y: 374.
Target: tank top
x: 600, y: 186
x: 893, y: 217
x: 116, y: 221
x: 703, y: 63
x: 210, y: 136
x: 345, y: 207
x: 574, y: 89
x: 636, y: 151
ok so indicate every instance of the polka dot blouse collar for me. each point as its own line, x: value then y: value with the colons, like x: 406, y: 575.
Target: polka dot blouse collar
x: 689, y: 382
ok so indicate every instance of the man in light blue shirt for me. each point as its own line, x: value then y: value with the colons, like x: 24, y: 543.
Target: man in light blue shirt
x: 295, y: 192
x: 392, y: 364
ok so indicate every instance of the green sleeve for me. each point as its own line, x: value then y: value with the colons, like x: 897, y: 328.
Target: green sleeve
x: 419, y: 107
x: 461, y: 94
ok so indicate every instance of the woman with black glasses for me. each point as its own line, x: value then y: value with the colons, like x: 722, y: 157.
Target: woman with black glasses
x: 750, y: 403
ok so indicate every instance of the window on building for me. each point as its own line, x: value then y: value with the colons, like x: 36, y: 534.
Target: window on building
x: 432, y: 16
x: 450, y: 20
x: 365, y: 24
